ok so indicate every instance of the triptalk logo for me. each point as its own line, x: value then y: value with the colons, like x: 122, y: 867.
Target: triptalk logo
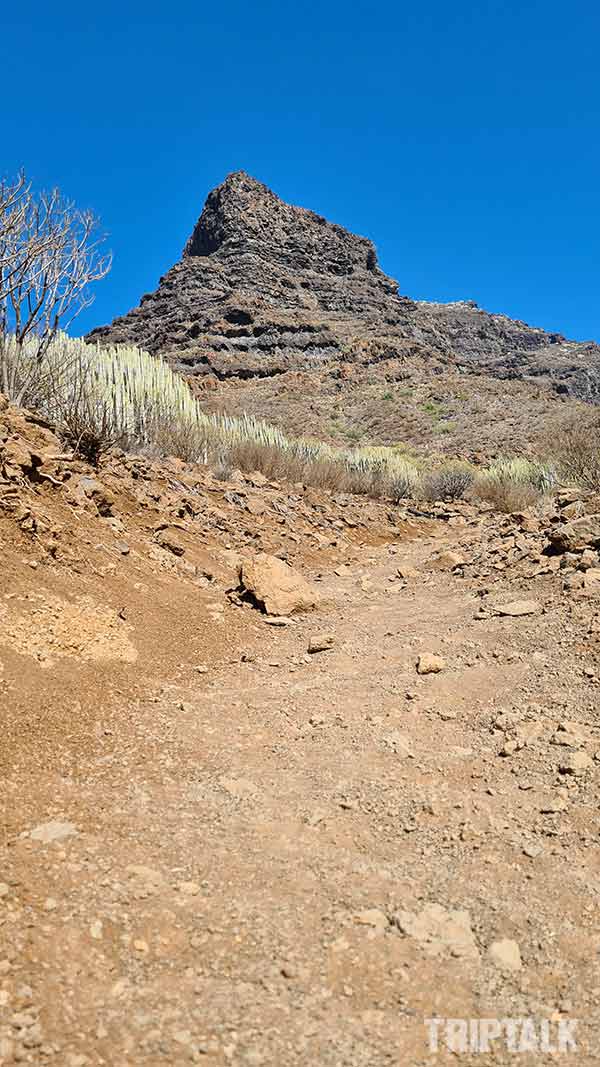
x: 515, y: 1035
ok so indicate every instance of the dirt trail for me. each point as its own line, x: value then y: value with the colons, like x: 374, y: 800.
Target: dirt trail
x: 295, y: 859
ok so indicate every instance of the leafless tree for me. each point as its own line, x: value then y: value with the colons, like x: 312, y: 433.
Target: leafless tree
x: 50, y: 254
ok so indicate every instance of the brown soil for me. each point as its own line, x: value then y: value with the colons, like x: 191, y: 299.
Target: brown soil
x: 249, y: 838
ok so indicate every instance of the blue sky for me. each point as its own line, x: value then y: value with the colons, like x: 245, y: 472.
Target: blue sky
x: 462, y: 137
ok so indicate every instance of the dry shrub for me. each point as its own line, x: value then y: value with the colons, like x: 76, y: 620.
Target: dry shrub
x: 285, y: 465
x: 448, y: 483
x: 405, y: 483
x: 187, y: 441
x: 515, y: 484
x: 574, y: 447
x: 506, y: 496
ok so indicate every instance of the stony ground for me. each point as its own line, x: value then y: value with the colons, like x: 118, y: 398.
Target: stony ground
x: 260, y: 855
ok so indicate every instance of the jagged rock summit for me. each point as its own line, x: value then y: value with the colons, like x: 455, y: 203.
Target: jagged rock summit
x: 242, y: 217
x: 258, y: 278
x: 264, y: 288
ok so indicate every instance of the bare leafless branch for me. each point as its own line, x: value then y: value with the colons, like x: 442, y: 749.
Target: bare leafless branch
x: 50, y: 255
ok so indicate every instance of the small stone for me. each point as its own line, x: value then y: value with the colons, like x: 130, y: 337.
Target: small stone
x: 48, y: 832
x: 440, y: 930
x: 576, y: 764
x: 189, y: 889
x: 96, y: 930
x: 277, y: 620
x: 506, y: 955
x: 518, y: 607
x: 407, y: 572
x: 445, y: 561
x: 399, y: 743
x: 428, y: 663
x: 4, y: 889
x: 320, y: 643
x: 141, y: 946
x: 50, y: 904
x: 373, y: 917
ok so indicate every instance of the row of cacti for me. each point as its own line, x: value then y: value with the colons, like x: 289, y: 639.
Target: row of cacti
x: 139, y: 401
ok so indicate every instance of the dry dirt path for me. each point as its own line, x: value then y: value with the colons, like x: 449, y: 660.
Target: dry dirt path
x: 298, y: 859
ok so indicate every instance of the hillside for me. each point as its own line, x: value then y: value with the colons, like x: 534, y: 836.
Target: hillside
x: 241, y: 837
x: 275, y: 310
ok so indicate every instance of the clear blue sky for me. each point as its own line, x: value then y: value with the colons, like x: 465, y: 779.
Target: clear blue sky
x: 462, y: 137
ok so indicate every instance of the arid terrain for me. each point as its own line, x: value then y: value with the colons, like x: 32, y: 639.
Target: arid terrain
x: 237, y: 833
x: 276, y: 311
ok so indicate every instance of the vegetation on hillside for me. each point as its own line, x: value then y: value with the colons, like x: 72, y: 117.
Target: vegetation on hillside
x: 120, y: 396
x: 51, y: 254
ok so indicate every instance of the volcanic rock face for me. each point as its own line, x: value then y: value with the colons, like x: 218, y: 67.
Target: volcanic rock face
x: 264, y: 288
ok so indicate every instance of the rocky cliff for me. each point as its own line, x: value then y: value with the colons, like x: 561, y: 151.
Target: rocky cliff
x: 265, y: 289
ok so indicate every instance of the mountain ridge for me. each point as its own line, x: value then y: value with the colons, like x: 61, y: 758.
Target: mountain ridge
x: 265, y: 289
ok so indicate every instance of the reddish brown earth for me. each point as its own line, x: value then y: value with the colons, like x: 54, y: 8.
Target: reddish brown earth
x: 259, y: 853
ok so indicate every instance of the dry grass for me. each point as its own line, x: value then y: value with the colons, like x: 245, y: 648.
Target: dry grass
x: 505, y: 496
x: 574, y: 448
x: 121, y: 396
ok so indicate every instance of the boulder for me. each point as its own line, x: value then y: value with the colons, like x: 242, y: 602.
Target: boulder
x: 276, y: 586
x: 406, y: 572
x: 576, y: 764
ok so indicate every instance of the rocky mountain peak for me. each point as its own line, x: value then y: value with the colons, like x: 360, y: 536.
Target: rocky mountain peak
x: 265, y: 289
x: 242, y: 215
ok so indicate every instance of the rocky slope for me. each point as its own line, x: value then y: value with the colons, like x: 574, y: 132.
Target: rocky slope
x: 265, y: 289
x: 238, y: 840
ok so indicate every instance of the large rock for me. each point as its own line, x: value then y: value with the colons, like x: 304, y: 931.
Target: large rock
x: 576, y: 535
x: 276, y: 586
